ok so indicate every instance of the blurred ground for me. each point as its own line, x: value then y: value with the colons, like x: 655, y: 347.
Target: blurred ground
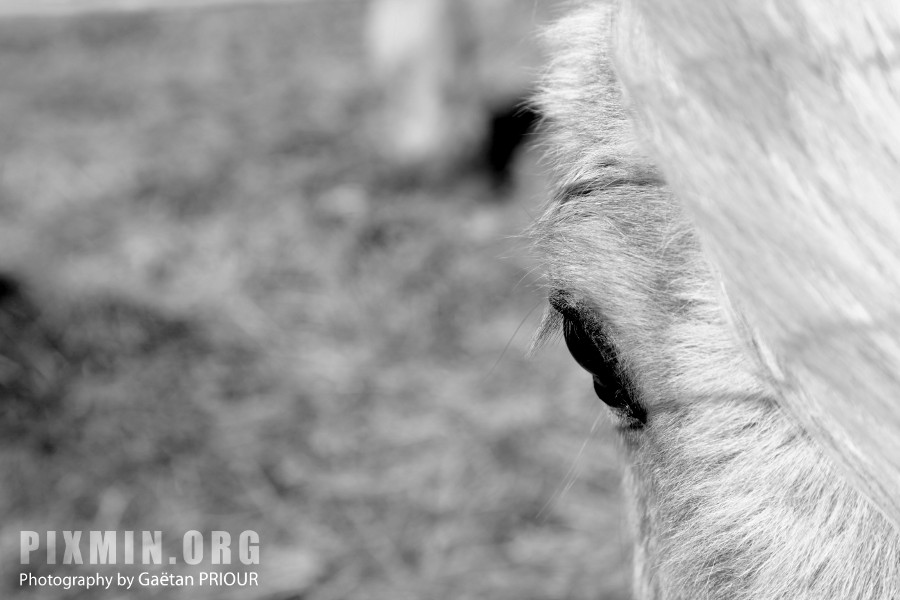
x: 224, y: 314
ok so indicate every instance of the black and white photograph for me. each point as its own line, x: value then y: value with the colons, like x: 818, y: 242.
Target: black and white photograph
x: 449, y: 299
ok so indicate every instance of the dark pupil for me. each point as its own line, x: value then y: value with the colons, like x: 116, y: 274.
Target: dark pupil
x: 595, y: 354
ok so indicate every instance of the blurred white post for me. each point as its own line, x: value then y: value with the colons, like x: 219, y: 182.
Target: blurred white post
x: 422, y: 56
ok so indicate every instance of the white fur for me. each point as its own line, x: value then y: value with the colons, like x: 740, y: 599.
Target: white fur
x: 755, y: 320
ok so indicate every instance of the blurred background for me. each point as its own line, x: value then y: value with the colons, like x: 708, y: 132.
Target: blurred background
x: 241, y: 288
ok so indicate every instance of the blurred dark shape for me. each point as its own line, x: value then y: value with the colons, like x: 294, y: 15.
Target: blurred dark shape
x: 29, y: 360
x: 506, y: 129
x: 9, y: 288
x: 509, y: 125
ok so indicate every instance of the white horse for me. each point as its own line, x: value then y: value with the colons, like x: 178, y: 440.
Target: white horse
x: 723, y: 255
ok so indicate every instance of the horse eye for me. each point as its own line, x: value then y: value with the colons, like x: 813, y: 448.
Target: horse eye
x: 592, y: 353
x: 592, y: 350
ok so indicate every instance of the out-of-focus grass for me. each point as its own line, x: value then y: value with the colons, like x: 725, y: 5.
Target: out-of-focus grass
x: 230, y: 318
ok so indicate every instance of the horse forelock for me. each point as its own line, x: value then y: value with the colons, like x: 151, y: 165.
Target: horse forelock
x: 777, y: 126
